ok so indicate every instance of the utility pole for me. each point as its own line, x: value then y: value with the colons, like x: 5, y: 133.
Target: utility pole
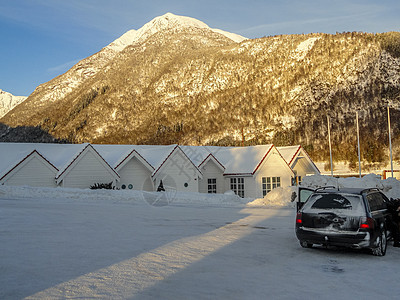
x: 358, y: 144
x: 330, y: 146
x: 390, y: 142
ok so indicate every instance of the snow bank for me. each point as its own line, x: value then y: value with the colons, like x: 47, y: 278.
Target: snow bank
x: 390, y: 187
x: 170, y: 197
x: 277, y: 197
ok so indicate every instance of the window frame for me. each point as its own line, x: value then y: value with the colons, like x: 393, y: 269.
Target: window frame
x: 212, y: 185
x: 270, y: 183
x: 238, y: 186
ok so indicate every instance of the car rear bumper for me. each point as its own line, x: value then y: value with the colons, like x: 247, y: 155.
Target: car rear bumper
x: 331, y: 238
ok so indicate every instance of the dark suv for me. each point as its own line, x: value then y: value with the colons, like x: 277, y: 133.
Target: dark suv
x: 348, y: 217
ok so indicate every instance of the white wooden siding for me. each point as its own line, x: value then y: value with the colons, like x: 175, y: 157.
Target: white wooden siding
x: 88, y: 171
x: 177, y: 172
x: 34, y: 172
x: 302, y: 166
x: 273, y: 166
x: 135, y: 173
x: 211, y: 170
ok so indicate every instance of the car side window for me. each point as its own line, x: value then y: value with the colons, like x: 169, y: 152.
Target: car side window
x: 371, y: 202
x: 376, y: 201
x: 380, y: 201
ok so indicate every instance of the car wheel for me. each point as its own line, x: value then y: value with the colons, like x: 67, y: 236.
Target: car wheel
x: 304, y: 244
x: 382, y: 244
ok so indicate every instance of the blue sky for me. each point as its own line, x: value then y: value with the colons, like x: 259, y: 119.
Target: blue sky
x: 40, y: 39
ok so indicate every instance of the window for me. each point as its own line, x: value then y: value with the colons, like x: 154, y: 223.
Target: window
x: 270, y: 183
x: 331, y: 204
x: 237, y: 185
x: 296, y: 181
x: 332, y: 201
x: 264, y: 186
x: 212, y: 185
x: 376, y: 202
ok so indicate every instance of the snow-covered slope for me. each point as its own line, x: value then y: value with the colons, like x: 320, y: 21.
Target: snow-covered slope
x: 167, y: 21
x: 88, y: 67
x: 8, y: 102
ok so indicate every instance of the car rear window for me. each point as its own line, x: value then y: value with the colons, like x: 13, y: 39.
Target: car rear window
x: 346, y: 203
x: 332, y: 201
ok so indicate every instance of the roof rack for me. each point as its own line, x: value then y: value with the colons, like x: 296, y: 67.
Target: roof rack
x: 326, y: 187
x: 371, y: 189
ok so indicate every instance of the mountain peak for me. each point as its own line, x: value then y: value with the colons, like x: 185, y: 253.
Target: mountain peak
x: 164, y: 22
x: 8, y: 102
x: 170, y: 20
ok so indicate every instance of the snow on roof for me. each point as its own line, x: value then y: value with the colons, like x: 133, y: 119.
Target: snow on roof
x: 197, y: 154
x: 241, y: 160
x: 11, y: 156
x: 289, y: 152
x: 176, y: 148
x: 155, y: 155
x: 115, y: 154
x: 58, y: 155
x: 236, y: 160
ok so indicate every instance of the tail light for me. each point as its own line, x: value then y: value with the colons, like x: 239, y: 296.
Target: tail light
x: 367, y: 223
x: 298, y: 218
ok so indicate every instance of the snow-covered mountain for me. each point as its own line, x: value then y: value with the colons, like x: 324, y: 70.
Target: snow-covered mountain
x: 8, y: 102
x: 175, y: 80
x: 64, y: 84
x: 165, y: 22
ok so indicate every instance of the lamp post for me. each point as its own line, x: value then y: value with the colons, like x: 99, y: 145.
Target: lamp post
x: 330, y: 146
x: 390, y: 142
x: 358, y: 145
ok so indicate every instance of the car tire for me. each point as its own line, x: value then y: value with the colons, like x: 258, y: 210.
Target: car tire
x: 382, y: 244
x: 304, y: 244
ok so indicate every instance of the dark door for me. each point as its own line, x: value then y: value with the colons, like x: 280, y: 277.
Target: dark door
x: 377, y: 204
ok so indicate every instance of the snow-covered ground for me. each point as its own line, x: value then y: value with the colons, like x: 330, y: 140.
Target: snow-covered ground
x: 71, y: 243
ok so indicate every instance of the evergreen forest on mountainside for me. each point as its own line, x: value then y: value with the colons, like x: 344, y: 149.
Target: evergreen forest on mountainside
x: 194, y: 87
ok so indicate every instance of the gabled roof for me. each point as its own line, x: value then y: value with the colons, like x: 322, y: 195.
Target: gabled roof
x: 87, y: 147
x: 231, y: 160
x: 176, y: 148
x: 211, y: 157
x: 241, y: 160
x: 21, y: 163
x: 156, y: 155
x: 291, y: 153
x: 197, y: 154
x: 58, y: 154
x: 137, y: 155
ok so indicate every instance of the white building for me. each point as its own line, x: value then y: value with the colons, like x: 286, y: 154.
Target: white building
x: 248, y: 171
x: 299, y: 160
x: 51, y: 165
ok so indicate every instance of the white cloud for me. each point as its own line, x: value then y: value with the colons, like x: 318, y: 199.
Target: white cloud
x: 63, y: 67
